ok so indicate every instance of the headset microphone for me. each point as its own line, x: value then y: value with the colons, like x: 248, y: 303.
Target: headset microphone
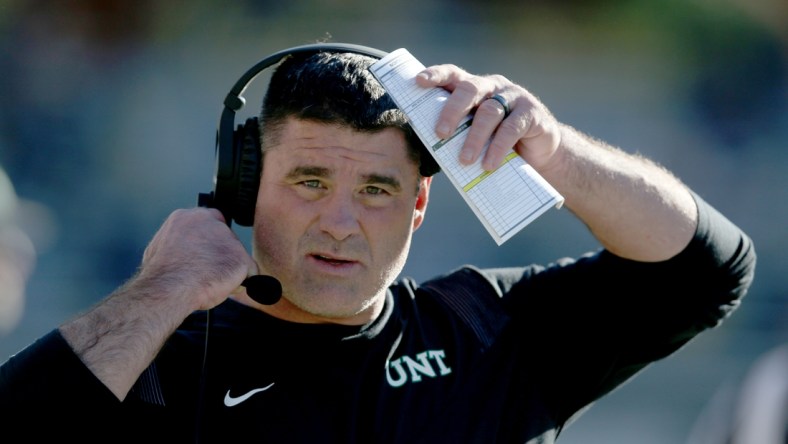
x: 266, y: 290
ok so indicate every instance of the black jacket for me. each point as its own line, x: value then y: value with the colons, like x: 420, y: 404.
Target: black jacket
x: 505, y: 355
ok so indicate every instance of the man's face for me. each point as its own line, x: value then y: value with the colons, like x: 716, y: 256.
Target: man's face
x: 335, y: 214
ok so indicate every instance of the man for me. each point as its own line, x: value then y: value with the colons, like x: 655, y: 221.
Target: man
x: 348, y: 354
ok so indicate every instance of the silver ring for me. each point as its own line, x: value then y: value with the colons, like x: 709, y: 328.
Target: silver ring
x: 499, y: 98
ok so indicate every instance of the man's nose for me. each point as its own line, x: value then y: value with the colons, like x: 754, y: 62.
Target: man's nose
x: 339, y: 216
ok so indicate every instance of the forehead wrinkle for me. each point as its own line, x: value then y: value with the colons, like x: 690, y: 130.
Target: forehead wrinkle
x: 346, y: 153
x: 314, y: 166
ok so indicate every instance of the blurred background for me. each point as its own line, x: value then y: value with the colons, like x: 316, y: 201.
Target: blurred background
x: 108, y: 113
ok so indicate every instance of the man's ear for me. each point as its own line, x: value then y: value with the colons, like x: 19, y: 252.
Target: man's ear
x: 421, y: 202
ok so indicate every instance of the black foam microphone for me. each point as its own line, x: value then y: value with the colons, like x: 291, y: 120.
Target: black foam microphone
x: 263, y: 289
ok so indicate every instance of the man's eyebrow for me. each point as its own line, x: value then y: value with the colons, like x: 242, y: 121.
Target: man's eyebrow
x: 318, y: 171
x: 301, y: 171
x: 384, y: 180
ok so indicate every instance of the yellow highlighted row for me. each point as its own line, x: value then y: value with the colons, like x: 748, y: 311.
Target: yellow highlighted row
x: 484, y: 175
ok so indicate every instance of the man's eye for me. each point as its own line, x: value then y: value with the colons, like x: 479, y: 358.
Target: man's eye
x: 311, y: 183
x: 373, y: 190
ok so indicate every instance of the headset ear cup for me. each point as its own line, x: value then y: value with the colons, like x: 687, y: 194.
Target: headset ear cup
x: 249, y: 169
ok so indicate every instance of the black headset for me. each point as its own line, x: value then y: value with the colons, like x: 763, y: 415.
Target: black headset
x: 238, y: 156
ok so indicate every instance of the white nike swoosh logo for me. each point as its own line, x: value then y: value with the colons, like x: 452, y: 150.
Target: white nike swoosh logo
x: 229, y: 401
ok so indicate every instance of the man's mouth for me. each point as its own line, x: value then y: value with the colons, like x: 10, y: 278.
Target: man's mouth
x: 332, y: 260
